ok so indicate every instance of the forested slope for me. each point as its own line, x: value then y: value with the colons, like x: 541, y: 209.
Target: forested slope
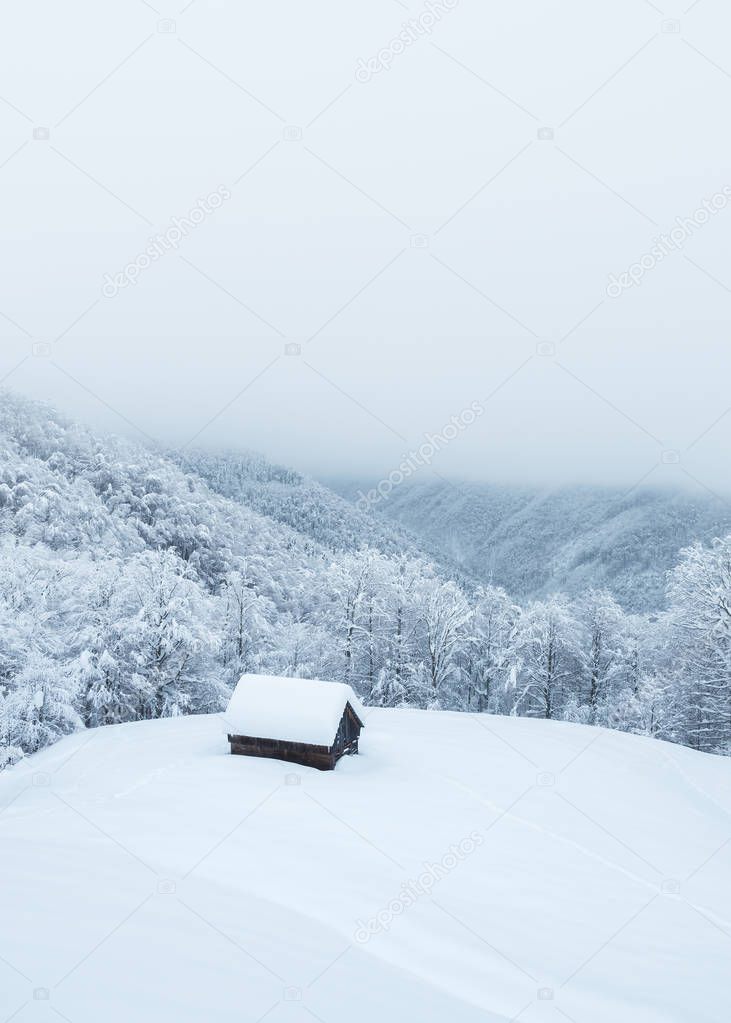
x: 536, y: 541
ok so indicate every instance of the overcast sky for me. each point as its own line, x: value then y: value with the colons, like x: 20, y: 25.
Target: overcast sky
x: 406, y: 221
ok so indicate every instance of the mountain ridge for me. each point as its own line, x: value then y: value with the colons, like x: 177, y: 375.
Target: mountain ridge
x: 535, y: 541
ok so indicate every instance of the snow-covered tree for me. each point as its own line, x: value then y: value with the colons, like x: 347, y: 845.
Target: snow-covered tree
x: 301, y: 650
x: 489, y: 650
x: 604, y: 649
x: 388, y: 691
x: 348, y: 583
x: 403, y: 584
x: 700, y: 594
x: 172, y: 638
x: 446, y: 613
x: 39, y: 709
x: 547, y: 657
x: 245, y: 625
x: 110, y: 690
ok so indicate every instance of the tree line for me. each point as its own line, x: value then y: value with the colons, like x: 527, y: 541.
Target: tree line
x: 90, y: 642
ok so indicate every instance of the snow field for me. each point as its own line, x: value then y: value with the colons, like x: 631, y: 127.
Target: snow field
x: 543, y: 871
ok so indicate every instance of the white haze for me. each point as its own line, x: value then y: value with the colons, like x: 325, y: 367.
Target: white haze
x: 319, y: 244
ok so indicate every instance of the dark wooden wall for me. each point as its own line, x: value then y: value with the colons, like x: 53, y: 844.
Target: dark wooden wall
x: 323, y: 758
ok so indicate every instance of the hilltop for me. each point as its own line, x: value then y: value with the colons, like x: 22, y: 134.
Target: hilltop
x: 150, y: 875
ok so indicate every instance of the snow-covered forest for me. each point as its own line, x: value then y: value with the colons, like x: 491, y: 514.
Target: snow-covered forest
x: 137, y: 584
x: 536, y: 540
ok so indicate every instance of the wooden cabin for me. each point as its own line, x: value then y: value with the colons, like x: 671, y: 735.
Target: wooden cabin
x: 301, y: 721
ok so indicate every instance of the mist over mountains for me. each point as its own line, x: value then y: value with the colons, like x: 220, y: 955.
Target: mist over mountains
x: 535, y: 541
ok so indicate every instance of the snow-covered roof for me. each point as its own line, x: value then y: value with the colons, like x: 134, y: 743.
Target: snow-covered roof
x: 290, y: 709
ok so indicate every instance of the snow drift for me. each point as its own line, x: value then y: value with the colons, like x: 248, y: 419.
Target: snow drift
x: 463, y: 868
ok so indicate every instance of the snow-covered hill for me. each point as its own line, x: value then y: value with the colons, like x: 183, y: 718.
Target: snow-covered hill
x: 575, y: 874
